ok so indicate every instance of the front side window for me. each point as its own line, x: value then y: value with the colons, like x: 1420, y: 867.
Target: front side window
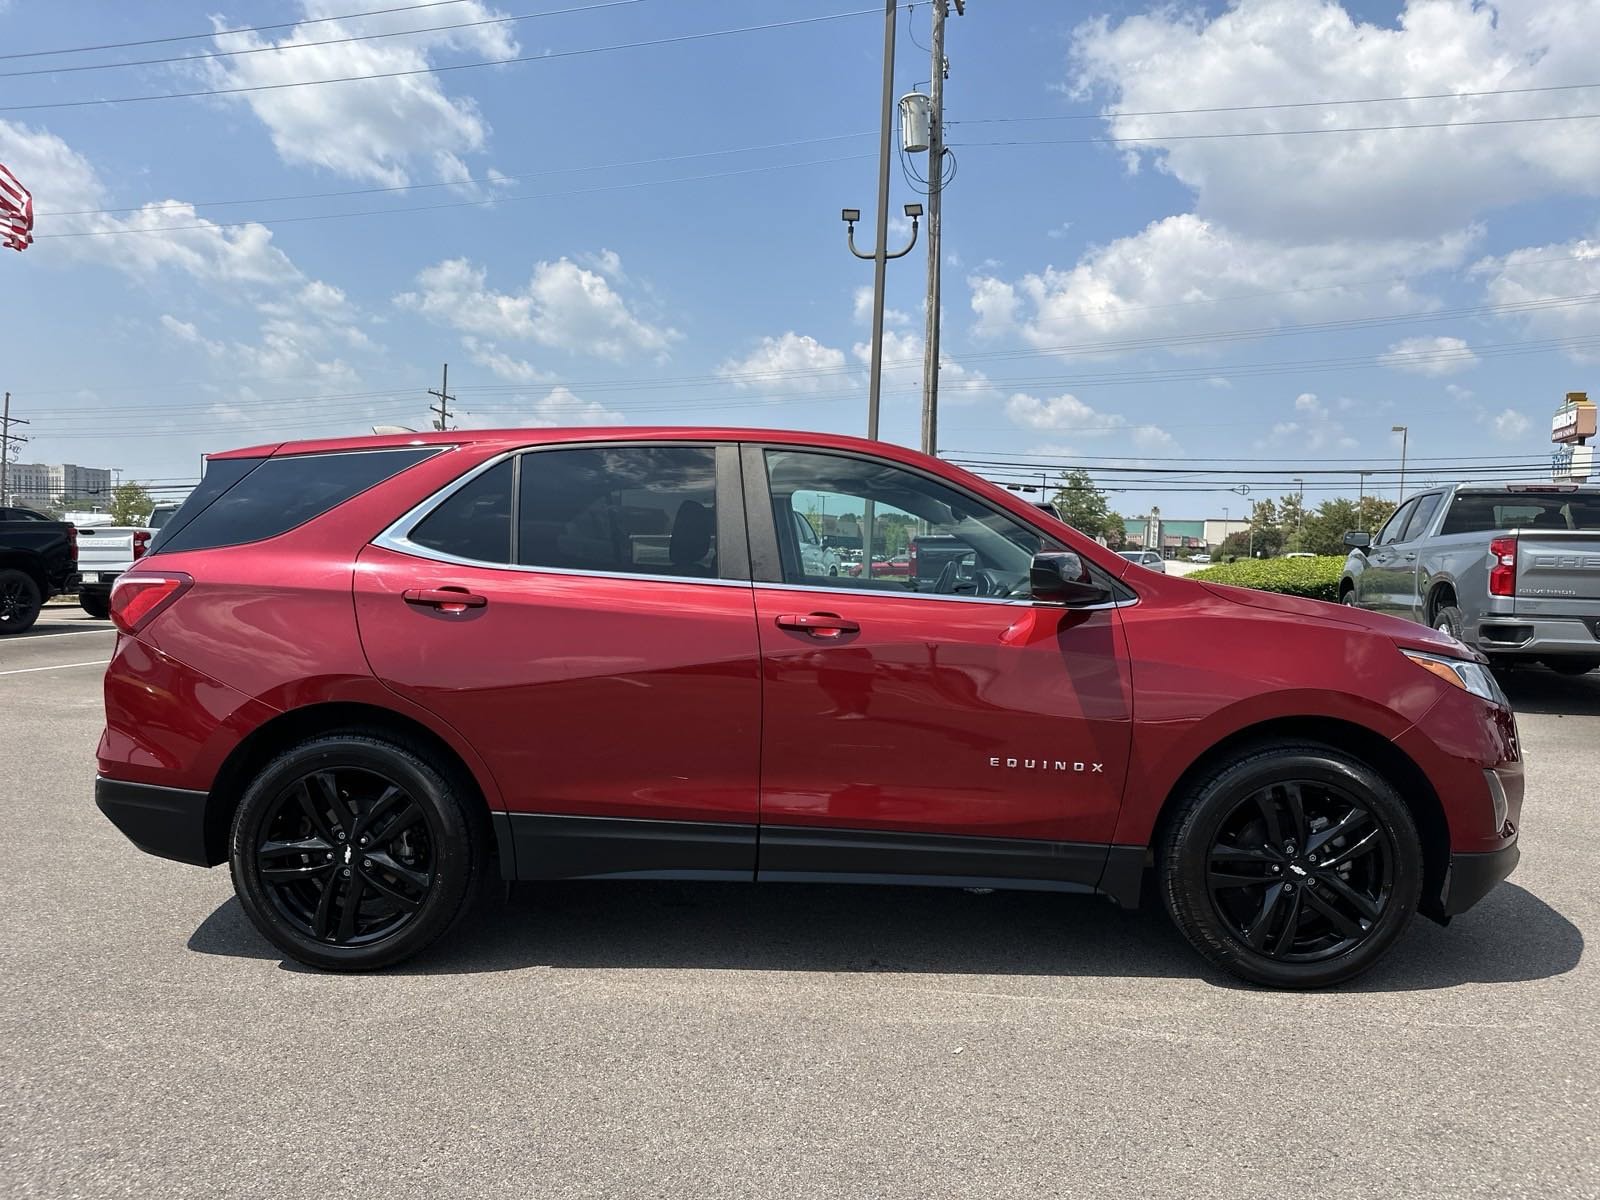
x: 635, y: 510
x: 1392, y: 527
x: 914, y: 534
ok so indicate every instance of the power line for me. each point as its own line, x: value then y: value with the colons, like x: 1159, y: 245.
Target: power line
x: 192, y: 37
x: 438, y: 70
x: 363, y: 37
x: 413, y: 187
x: 1289, y: 104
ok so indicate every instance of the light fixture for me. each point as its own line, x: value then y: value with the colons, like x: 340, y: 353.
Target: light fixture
x: 850, y: 215
x: 913, y: 210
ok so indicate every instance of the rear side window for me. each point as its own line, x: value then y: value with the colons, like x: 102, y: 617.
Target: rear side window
x: 248, y: 499
x: 1485, y: 512
x: 641, y: 510
x: 474, y: 522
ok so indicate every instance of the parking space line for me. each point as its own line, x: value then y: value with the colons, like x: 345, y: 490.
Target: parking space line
x: 67, y: 633
x: 99, y: 662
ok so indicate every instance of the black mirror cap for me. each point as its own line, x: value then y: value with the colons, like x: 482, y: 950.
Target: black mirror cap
x: 1357, y: 540
x: 1060, y: 577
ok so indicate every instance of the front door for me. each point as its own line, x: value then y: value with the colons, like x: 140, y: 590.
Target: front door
x: 913, y: 726
x: 599, y: 651
x: 1384, y: 567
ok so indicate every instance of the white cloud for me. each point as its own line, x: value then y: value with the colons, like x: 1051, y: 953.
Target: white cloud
x: 377, y: 131
x: 502, y: 365
x: 862, y: 308
x: 791, y: 362
x: 1510, y: 425
x: 1183, y: 275
x: 558, y: 408
x: 1364, y: 186
x: 564, y: 306
x: 1541, y: 277
x: 903, y: 363
x: 1152, y: 439
x: 1312, y: 428
x: 1430, y: 356
x: 1061, y: 412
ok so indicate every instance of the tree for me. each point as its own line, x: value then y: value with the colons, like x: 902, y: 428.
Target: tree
x: 130, y: 505
x: 1083, y: 506
x: 1324, y: 529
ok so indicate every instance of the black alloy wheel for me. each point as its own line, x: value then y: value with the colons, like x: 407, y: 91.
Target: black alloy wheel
x: 346, y: 856
x: 353, y: 851
x: 1292, y: 866
x: 1301, y: 871
x: 20, y: 601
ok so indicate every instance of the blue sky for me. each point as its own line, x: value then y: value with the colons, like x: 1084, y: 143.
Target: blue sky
x: 1145, y: 303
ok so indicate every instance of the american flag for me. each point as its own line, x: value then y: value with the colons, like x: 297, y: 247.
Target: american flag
x: 16, y: 211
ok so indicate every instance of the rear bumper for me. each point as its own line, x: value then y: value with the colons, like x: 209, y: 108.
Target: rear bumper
x: 166, y: 822
x: 1473, y: 876
x: 1538, y: 636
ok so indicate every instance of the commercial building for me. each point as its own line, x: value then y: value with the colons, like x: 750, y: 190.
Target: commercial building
x: 57, y: 483
x: 1179, y: 534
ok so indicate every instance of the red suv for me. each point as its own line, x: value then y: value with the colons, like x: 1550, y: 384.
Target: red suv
x: 375, y: 675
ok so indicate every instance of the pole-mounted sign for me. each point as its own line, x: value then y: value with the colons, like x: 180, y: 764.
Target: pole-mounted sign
x: 1571, y: 428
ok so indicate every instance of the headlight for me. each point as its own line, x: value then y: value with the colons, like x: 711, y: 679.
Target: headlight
x: 1471, y: 677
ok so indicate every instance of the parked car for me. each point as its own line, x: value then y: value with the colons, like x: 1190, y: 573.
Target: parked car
x: 1148, y: 559
x: 38, y: 560
x: 819, y: 560
x: 105, y: 552
x: 373, y: 675
x: 1299, y: 554
x: 1200, y: 558
x: 1511, y: 569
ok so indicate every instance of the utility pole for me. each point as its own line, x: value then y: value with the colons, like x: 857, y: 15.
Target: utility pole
x: 442, y: 421
x: 6, y: 438
x: 1405, y: 436
x: 930, y: 341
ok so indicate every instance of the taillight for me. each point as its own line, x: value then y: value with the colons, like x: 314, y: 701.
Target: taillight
x: 141, y: 543
x: 136, y: 599
x: 911, y: 556
x: 1503, y: 570
x: 72, y: 541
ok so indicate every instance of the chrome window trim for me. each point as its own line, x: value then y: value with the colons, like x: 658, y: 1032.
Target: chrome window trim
x: 1009, y: 602
x: 397, y: 536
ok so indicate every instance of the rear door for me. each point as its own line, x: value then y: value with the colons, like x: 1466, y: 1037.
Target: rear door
x: 583, y: 616
x: 909, y: 732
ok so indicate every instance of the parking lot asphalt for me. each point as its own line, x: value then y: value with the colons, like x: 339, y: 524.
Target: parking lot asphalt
x: 698, y: 1040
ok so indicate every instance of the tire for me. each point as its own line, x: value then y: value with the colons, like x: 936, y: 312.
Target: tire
x: 1449, y: 619
x: 1348, y: 597
x: 1308, y: 934
x: 96, y: 605
x: 20, y: 601
x: 426, y: 863
x: 1571, y: 666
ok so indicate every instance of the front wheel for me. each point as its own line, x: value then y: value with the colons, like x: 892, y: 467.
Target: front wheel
x: 20, y: 601
x: 1294, y: 866
x: 352, y: 852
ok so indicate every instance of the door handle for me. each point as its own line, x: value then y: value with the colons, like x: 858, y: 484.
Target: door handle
x: 818, y: 625
x: 1412, y: 557
x: 446, y: 599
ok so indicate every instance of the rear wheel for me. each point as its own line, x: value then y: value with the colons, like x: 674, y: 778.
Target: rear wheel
x: 352, y: 852
x: 1293, y: 866
x: 1449, y: 620
x: 96, y: 605
x: 20, y: 601
x: 1571, y: 666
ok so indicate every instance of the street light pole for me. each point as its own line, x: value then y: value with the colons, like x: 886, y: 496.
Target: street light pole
x: 881, y: 255
x: 1405, y: 435
x: 1300, y: 511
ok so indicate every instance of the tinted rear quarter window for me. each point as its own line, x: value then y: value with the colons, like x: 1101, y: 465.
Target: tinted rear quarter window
x: 250, y: 499
x: 474, y: 521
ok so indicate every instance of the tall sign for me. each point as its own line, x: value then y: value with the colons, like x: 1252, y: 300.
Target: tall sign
x: 1570, y: 429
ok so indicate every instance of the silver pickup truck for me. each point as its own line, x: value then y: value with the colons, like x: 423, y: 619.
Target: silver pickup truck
x: 1512, y: 569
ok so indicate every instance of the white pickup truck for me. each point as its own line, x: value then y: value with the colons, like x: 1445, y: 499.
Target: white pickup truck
x: 106, y: 551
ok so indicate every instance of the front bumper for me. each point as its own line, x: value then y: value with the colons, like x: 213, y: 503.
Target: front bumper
x: 1473, y: 876
x: 166, y: 822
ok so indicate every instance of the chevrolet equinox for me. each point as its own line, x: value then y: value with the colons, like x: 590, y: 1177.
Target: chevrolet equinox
x: 377, y: 675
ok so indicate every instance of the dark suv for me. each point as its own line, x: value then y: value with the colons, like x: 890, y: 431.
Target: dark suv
x: 376, y: 675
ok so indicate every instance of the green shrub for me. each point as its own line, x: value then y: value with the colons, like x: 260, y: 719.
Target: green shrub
x: 1314, y: 578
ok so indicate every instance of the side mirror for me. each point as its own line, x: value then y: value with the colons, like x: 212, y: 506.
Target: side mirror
x: 1357, y: 540
x: 1060, y: 577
